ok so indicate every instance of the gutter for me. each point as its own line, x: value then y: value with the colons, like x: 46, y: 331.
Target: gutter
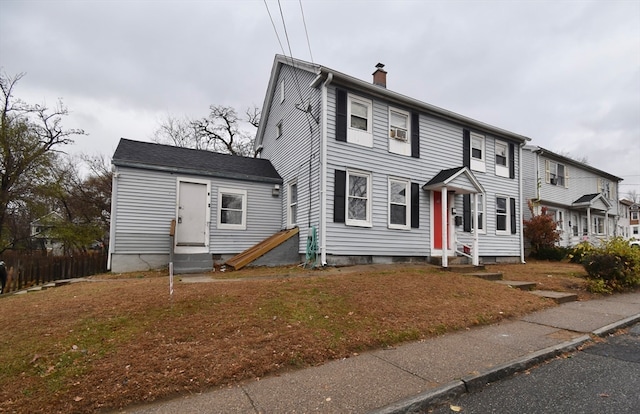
x: 521, y: 203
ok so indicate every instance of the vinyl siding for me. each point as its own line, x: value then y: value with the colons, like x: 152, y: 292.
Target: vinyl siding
x: 146, y: 205
x: 295, y: 154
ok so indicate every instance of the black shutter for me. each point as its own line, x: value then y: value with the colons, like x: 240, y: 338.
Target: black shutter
x: 512, y: 161
x: 466, y: 148
x: 341, y: 115
x: 466, y: 212
x: 415, y: 205
x: 415, y: 135
x: 513, y: 215
x: 339, y: 194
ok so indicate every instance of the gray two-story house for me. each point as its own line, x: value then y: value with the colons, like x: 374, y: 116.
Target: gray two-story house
x: 379, y: 176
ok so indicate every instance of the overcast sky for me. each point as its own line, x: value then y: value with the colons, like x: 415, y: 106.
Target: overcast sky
x: 564, y: 73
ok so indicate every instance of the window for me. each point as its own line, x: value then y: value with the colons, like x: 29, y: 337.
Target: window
x: 359, y: 115
x: 358, y: 198
x: 585, y: 226
x: 502, y: 159
x: 480, y: 215
x: 398, y: 125
x: 598, y: 225
x: 635, y: 230
x: 574, y: 225
x: 502, y: 214
x: 607, y: 188
x: 292, y: 195
x: 555, y: 173
x: 232, y: 206
x: 282, y: 91
x: 477, y: 152
x: 634, y: 215
x: 279, y: 129
x: 399, y: 203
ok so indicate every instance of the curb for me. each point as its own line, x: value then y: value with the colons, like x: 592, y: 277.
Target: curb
x: 429, y: 399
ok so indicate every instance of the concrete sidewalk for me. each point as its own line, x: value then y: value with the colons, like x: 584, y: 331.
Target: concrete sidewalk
x: 413, y: 377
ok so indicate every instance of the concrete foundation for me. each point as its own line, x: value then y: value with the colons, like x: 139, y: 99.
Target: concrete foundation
x: 121, y: 263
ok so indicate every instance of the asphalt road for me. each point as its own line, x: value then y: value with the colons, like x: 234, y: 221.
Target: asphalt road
x: 603, y: 378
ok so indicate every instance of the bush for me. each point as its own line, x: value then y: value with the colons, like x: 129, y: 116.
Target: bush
x: 579, y: 252
x: 541, y: 231
x: 613, y: 267
x: 553, y: 253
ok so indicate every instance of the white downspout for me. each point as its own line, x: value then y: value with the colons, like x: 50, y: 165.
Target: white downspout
x: 112, y: 217
x: 522, y: 199
x: 445, y: 227
x: 323, y: 173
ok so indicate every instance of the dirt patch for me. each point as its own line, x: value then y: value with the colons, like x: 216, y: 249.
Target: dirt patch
x: 121, y: 339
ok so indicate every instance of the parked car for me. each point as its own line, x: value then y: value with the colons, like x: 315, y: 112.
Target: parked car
x: 635, y: 243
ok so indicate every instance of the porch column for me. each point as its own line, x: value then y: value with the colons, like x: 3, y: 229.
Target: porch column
x: 445, y: 227
x: 476, y: 230
x: 606, y: 223
x: 589, y: 223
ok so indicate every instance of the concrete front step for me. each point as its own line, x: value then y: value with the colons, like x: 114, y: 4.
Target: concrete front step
x: 463, y: 268
x: 558, y: 297
x: 517, y: 284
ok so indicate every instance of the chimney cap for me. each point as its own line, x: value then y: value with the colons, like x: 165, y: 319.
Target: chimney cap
x: 380, y: 66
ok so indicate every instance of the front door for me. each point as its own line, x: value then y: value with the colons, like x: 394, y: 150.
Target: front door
x: 438, y: 222
x: 192, y: 224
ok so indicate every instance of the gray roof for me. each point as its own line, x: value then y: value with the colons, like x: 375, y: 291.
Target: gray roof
x: 586, y: 198
x: 150, y: 156
x: 444, y: 175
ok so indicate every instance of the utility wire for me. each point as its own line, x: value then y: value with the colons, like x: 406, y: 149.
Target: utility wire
x: 274, y: 27
x: 305, y: 31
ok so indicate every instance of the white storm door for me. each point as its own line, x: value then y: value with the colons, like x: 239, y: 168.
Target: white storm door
x: 192, y: 224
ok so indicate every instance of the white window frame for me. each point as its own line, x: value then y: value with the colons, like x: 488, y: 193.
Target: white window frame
x: 366, y: 222
x: 282, y: 91
x: 481, y: 217
x: 634, y: 215
x: 279, y: 129
x: 478, y: 164
x: 407, y: 203
x: 229, y: 226
x: 507, y: 215
x: 292, y: 218
x: 502, y: 170
x: 399, y: 145
x: 599, y: 222
x: 553, y: 177
x: 575, y: 231
x: 357, y: 135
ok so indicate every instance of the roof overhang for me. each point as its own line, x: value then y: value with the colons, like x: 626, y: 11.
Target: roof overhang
x: 460, y: 180
x: 592, y: 201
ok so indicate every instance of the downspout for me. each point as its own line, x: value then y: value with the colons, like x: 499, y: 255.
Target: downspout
x: 323, y: 173
x: 112, y: 224
x: 522, y: 198
x: 445, y: 226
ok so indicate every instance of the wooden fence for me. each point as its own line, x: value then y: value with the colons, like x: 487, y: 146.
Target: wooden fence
x: 26, y: 270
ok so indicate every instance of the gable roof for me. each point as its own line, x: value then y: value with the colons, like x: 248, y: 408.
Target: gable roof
x: 596, y: 200
x: 550, y: 154
x: 322, y: 73
x: 459, y: 179
x: 151, y: 156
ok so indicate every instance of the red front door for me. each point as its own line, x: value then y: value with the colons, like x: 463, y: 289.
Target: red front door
x: 437, y: 220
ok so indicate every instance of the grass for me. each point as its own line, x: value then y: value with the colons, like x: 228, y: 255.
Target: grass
x: 120, y: 340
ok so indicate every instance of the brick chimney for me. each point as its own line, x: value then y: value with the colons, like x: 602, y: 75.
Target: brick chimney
x: 380, y: 76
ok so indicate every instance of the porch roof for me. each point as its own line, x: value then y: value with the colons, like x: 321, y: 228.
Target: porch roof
x: 458, y: 179
x: 595, y: 201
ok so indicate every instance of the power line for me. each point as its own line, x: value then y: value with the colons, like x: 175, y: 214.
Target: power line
x: 305, y: 31
x: 274, y: 27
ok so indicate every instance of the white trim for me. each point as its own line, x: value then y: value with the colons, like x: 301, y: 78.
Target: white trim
x: 193, y: 249
x: 474, y: 214
x: 399, y: 145
x: 292, y: 223
x: 357, y: 135
x: 478, y: 164
x: 507, y: 214
x: 502, y: 170
x: 356, y: 222
x: 407, y: 203
x: 282, y: 91
x: 228, y: 226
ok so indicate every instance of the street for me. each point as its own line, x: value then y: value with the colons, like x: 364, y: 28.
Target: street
x: 602, y: 378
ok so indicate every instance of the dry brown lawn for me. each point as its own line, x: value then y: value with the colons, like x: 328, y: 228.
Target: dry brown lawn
x: 120, y: 340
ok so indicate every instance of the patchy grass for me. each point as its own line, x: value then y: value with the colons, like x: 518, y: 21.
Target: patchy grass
x: 121, y: 340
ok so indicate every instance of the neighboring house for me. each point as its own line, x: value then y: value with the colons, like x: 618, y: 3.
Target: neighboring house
x: 221, y: 204
x: 40, y: 231
x: 634, y: 221
x: 384, y: 177
x: 583, y: 200
x: 624, y: 226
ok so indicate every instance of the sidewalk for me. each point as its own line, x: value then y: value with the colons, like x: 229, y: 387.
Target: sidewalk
x: 413, y: 377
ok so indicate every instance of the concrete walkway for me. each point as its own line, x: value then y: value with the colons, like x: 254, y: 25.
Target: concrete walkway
x: 413, y: 377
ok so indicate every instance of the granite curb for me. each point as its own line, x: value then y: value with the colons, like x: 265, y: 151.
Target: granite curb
x: 422, y: 402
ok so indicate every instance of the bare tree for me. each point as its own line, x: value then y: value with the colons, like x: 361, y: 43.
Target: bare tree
x: 221, y: 131
x: 583, y: 159
x: 633, y: 196
x: 30, y: 136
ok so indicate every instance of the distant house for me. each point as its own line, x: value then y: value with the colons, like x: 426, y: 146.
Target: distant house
x: 630, y: 222
x: 582, y: 199
x: 41, y: 233
x: 624, y: 227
